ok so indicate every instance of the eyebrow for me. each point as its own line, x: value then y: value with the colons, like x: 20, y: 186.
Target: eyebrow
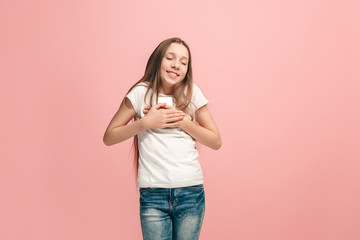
x: 175, y: 54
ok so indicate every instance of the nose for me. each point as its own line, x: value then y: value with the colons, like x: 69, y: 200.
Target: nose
x: 175, y: 64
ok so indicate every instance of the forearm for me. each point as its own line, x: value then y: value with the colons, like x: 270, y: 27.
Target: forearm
x: 122, y: 133
x: 203, y: 135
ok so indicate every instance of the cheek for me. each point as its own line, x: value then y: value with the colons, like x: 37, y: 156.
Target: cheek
x: 184, y: 70
x: 163, y: 66
x: 162, y: 70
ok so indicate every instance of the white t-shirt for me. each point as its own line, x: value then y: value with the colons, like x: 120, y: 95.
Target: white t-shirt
x: 168, y: 157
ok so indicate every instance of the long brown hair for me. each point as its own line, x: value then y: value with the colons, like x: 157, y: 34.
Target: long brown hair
x: 182, y: 91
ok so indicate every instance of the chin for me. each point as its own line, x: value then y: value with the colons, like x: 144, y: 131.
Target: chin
x: 171, y: 82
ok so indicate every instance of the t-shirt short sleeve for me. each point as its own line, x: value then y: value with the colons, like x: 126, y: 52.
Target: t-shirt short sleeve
x: 136, y: 95
x: 199, y: 99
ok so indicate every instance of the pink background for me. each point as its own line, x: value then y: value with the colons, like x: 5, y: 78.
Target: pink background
x: 282, y: 78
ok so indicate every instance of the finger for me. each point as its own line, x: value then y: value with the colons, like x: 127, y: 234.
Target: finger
x: 174, y: 124
x: 172, y: 110
x: 146, y: 109
x: 174, y: 115
x: 169, y: 107
x: 174, y: 119
x: 160, y: 105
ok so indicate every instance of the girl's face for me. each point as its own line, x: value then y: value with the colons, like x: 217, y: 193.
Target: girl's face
x: 174, y: 66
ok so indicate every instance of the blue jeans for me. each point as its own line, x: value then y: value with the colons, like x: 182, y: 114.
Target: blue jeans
x: 172, y: 213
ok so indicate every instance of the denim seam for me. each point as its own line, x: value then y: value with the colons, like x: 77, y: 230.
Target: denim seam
x: 170, y: 206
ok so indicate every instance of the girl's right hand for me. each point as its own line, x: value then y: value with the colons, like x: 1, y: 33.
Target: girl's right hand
x: 162, y: 116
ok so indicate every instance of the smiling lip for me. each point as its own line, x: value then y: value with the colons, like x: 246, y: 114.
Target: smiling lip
x: 173, y: 72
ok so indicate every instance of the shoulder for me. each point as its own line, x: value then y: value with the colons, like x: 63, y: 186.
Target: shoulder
x: 196, y: 89
x: 136, y: 95
x: 139, y: 88
x: 198, y: 99
x: 137, y: 91
x: 194, y: 85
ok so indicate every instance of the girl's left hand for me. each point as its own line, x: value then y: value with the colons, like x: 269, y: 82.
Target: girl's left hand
x: 181, y: 122
x: 146, y: 109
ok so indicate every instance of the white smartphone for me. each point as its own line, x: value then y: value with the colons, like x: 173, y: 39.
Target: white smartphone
x: 167, y: 100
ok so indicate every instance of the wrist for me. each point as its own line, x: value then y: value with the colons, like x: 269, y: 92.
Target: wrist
x: 143, y: 124
x: 185, y: 123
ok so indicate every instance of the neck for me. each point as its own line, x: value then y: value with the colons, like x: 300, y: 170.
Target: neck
x: 166, y: 91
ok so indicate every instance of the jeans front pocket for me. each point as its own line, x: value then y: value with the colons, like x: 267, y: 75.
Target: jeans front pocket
x: 146, y: 190
x: 196, y: 188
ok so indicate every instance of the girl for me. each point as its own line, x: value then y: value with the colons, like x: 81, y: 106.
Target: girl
x: 170, y: 113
